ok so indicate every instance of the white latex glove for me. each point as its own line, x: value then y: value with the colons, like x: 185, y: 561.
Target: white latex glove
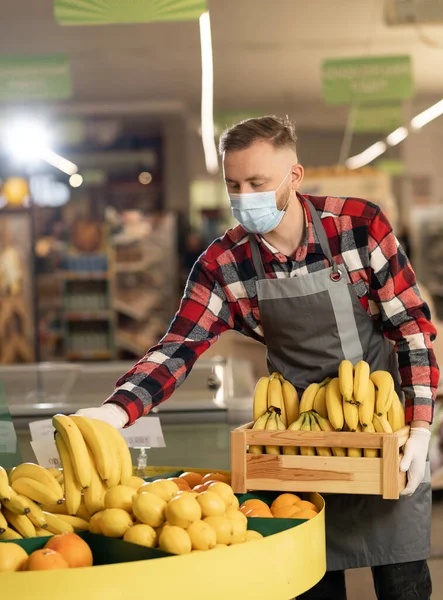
x: 110, y: 413
x: 414, y: 458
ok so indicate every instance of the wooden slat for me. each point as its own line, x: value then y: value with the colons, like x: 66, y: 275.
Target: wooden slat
x: 238, y: 462
x: 245, y: 427
x: 362, y: 486
x: 391, y: 467
x: 337, y: 439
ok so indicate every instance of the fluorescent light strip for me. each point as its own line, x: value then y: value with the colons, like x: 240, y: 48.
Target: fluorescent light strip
x: 367, y: 156
x: 207, y: 101
x: 59, y: 162
x: 427, y: 115
x: 397, y: 136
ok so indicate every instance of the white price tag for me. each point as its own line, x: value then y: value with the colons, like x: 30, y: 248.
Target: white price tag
x: 41, y: 429
x: 46, y: 453
x: 8, y: 438
x: 145, y: 433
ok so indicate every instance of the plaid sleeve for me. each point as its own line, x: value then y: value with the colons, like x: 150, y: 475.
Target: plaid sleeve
x: 405, y: 319
x: 203, y: 315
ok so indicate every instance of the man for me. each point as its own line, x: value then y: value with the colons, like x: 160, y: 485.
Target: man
x: 317, y: 280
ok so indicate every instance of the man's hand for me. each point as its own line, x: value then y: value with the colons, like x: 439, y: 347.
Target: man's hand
x: 109, y: 412
x: 414, y: 459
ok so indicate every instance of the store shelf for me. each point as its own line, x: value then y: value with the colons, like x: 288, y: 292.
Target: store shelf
x: 85, y: 275
x: 88, y: 315
x: 90, y: 355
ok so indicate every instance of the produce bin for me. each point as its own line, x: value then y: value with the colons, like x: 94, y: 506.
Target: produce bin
x: 285, y: 473
x: 288, y: 561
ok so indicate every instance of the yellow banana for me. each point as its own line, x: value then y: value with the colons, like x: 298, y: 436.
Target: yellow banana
x: 15, y: 504
x: 73, y: 492
x: 76, y: 446
x: 325, y: 425
x: 308, y: 397
x: 295, y: 426
x: 38, y: 473
x: 350, y: 414
x: 10, y: 534
x: 97, y: 443
x: 316, y: 427
x: 56, y: 525
x: 55, y: 509
x: 20, y: 523
x: 334, y: 404
x: 356, y: 452
x: 366, y: 410
x: 57, y: 473
x: 4, y: 485
x: 275, y: 395
x: 272, y: 425
x: 381, y: 424
x: 261, y: 397
x: 116, y: 459
x: 37, y: 491
x: 385, y: 384
x: 35, y: 514
x: 3, y: 522
x: 306, y: 426
x: 94, y: 495
x: 259, y: 425
x: 77, y: 523
x: 346, y: 380
x: 396, y: 414
x: 123, y: 451
x: 39, y: 532
x: 361, y: 380
x: 370, y: 452
x: 320, y: 402
x: 83, y: 512
x: 291, y: 402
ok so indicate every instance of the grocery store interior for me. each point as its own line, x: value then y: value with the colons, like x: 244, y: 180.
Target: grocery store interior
x: 111, y: 187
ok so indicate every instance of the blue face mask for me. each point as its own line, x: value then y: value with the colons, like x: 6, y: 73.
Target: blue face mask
x: 257, y: 212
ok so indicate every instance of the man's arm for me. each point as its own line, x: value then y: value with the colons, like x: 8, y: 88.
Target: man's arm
x: 405, y: 320
x: 204, y: 314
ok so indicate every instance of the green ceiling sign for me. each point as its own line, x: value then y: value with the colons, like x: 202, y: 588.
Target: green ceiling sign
x: 372, y: 79
x: 376, y: 118
x: 106, y: 12
x: 39, y: 77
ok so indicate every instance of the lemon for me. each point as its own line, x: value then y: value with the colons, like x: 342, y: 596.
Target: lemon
x: 222, y: 527
x: 120, y: 496
x: 175, y: 540
x: 135, y: 482
x: 225, y: 492
x: 94, y: 523
x: 235, y: 515
x: 142, y: 535
x: 163, y: 488
x: 252, y: 535
x: 183, y: 510
x: 202, y: 536
x: 238, y: 532
x: 211, y: 504
x: 12, y: 557
x: 115, y: 522
x: 149, y: 509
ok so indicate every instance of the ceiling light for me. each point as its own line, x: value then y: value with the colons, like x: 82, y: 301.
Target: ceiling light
x: 367, y: 156
x: 59, y: 162
x: 145, y: 178
x: 427, y: 115
x: 207, y: 101
x: 75, y: 180
x: 397, y: 136
x: 25, y: 139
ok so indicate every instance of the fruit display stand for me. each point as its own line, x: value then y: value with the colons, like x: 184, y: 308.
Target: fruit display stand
x: 296, y: 473
x: 293, y: 550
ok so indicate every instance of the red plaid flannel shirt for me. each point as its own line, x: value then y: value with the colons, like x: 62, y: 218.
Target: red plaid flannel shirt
x: 220, y: 295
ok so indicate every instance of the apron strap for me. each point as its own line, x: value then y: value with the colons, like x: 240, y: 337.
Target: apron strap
x: 256, y: 258
x: 321, y: 235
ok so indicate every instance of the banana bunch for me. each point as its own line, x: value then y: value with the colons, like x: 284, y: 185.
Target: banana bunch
x: 278, y: 394
x: 35, y: 501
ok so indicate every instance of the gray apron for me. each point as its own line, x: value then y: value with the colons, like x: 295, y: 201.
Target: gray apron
x: 311, y: 323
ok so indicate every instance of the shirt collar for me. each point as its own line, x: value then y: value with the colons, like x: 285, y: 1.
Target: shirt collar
x: 307, y: 246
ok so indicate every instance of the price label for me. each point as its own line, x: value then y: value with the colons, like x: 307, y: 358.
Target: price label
x: 8, y: 438
x: 46, y: 453
x: 41, y: 429
x: 145, y: 433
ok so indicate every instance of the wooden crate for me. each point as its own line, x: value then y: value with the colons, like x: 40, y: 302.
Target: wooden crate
x: 336, y: 475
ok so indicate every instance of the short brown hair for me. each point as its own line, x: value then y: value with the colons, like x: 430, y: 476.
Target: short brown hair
x: 280, y: 132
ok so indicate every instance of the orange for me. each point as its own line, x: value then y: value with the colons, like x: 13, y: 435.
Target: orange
x: 285, y: 500
x: 45, y: 560
x: 193, y: 479
x: 253, y: 503
x: 259, y: 512
x: 286, y: 512
x: 182, y: 483
x: 304, y: 504
x: 214, y: 477
x: 73, y: 548
x: 202, y: 487
x: 305, y: 514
